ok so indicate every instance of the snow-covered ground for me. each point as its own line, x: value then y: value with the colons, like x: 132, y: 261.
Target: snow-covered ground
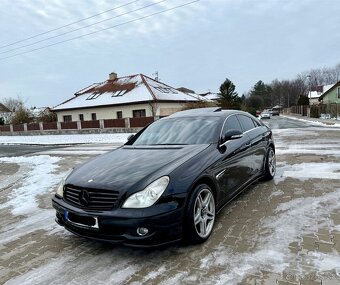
x: 316, y: 122
x: 118, y: 138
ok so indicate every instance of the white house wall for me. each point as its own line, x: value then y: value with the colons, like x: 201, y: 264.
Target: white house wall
x: 163, y: 109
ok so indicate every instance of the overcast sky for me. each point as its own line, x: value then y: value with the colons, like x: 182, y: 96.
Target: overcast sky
x: 196, y: 46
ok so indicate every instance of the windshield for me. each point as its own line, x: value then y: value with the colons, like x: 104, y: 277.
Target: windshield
x: 185, y: 130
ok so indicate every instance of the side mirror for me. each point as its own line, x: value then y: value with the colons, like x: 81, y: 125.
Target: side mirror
x: 130, y: 137
x: 231, y: 135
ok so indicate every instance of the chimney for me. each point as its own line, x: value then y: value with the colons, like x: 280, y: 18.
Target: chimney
x: 112, y: 76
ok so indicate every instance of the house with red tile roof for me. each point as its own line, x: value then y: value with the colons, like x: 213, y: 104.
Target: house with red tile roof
x: 124, y: 97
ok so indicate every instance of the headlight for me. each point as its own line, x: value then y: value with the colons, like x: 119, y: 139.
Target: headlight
x: 149, y: 195
x: 60, y: 190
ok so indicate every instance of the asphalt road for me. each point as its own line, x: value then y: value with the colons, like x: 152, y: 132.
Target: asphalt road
x: 18, y: 150
x: 279, y: 122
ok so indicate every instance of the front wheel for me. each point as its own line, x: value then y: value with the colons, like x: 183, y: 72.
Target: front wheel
x: 200, y: 216
x: 270, y: 165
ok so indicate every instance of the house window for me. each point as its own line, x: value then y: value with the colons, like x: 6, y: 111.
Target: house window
x: 93, y: 116
x: 93, y: 96
x: 338, y: 92
x: 165, y: 89
x: 119, y: 114
x: 138, y: 113
x: 81, y: 117
x: 118, y: 93
x: 67, y: 118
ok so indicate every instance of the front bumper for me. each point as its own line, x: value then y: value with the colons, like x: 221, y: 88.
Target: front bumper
x: 164, y: 222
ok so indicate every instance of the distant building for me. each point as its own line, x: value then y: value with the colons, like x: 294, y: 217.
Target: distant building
x: 314, y: 95
x: 125, y: 97
x: 210, y: 96
x: 332, y: 95
x: 5, y: 113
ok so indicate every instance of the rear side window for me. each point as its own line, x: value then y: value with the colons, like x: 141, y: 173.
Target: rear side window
x: 232, y: 123
x: 257, y: 124
x: 246, y: 123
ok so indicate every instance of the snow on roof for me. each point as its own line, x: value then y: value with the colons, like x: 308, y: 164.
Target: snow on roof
x: 314, y: 94
x: 126, y: 90
x: 317, y: 94
x: 211, y: 96
x: 327, y: 87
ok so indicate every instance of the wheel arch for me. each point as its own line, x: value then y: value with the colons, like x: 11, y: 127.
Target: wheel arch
x: 205, y: 180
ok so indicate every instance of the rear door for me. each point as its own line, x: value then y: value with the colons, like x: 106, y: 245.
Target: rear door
x: 257, y: 143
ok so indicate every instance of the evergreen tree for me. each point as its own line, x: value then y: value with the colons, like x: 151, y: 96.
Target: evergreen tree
x: 228, y: 97
x: 264, y: 91
x: 303, y: 100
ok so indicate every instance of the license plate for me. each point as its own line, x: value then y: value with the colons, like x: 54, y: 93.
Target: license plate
x: 80, y: 220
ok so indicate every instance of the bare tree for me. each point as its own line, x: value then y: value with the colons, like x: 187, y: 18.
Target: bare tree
x: 20, y: 114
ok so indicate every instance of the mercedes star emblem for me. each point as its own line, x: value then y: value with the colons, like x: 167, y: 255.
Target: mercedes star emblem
x: 84, y: 198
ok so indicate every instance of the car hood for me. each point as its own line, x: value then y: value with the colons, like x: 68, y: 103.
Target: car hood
x: 131, y: 167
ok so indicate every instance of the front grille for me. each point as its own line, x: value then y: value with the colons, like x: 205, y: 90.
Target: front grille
x: 94, y: 199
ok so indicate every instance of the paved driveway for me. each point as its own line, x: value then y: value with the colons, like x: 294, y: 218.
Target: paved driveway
x: 286, y: 231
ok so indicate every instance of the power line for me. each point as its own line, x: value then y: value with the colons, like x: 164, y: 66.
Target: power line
x: 84, y: 27
x: 105, y: 29
x: 70, y: 24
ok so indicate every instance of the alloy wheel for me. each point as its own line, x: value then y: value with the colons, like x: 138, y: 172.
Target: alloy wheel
x: 271, y: 162
x: 204, y: 213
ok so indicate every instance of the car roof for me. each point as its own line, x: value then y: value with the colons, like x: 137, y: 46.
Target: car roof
x: 206, y: 112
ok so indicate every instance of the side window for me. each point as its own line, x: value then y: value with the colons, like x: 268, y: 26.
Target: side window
x: 246, y: 122
x: 257, y: 124
x: 232, y: 123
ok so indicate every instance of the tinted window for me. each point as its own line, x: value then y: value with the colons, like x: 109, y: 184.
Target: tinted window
x: 186, y: 130
x: 257, y: 124
x: 246, y: 122
x: 231, y: 124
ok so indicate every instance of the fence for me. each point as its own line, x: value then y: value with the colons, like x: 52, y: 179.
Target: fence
x: 78, y: 126
x: 323, y: 111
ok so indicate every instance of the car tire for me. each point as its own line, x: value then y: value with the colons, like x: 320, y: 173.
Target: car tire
x: 270, y: 165
x: 200, y: 215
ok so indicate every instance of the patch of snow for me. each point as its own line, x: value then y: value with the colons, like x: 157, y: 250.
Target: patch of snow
x: 322, y: 152
x: 293, y: 220
x: 305, y: 171
x: 39, y: 179
x: 315, y: 122
x: 90, y: 265
x: 276, y: 193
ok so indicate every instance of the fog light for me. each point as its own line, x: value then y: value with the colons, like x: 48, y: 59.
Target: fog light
x: 142, y: 231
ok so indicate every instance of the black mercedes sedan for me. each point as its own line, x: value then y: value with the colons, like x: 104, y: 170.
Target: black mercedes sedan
x: 169, y: 181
